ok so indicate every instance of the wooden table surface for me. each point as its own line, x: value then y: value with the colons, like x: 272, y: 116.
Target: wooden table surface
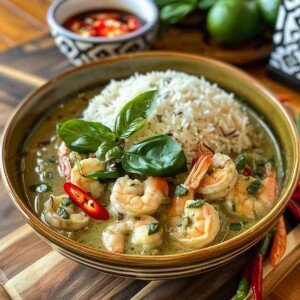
x: 25, y: 20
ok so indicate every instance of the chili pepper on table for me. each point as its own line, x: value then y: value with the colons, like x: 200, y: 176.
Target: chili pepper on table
x: 244, y: 284
x: 257, y: 267
x: 294, y: 209
x: 86, y: 202
x: 279, y: 243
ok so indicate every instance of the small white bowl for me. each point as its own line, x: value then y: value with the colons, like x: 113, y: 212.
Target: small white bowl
x: 80, y: 49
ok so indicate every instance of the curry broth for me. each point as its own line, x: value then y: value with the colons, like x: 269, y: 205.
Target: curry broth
x: 39, y: 165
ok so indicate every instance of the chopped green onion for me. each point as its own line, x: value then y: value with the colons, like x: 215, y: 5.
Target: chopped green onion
x: 237, y: 226
x: 40, y: 188
x: 181, y: 191
x: 153, y: 228
x: 197, y: 203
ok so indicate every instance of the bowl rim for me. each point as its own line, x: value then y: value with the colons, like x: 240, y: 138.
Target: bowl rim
x: 54, y: 25
x: 203, y: 254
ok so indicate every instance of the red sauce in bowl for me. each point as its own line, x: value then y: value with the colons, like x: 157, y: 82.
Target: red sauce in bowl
x: 104, y: 23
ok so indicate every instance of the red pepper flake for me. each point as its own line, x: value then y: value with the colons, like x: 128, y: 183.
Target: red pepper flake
x: 284, y: 97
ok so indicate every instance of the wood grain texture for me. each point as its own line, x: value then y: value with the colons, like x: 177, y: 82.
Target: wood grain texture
x: 15, y: 29
x: 30, y: 269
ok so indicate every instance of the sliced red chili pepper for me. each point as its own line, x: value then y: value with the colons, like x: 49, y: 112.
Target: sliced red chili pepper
x: 86, y: 202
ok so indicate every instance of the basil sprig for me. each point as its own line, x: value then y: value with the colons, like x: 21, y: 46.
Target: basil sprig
x: 133, y: 116
x: 157, y: 156
x: 83, y: 136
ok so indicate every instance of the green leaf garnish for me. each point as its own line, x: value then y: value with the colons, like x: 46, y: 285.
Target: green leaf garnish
x: 157, y: 156
x: 197, y: 203
x: 253, y: 187
x: 109, y: 150
x: 236, y: 226
x: 40, y: 188
x: 83, y: 136
x: 133, y: 116
x: 153, y: 228
x: 181, y: 191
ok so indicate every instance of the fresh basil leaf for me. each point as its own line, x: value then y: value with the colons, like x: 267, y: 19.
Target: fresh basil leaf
x: 107, y: 174
x: 181, y: 191
x: 83, y: 136
x: 40, y: 188
x: 157, y: 156
x: 108, y: 150
x: 133, y: 116
x: 197, y: 203
x: 153, y: 228
x: 206, y: 4
x: 174, y: 12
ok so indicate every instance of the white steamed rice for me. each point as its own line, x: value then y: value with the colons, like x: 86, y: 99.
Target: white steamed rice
x: 190, y: 108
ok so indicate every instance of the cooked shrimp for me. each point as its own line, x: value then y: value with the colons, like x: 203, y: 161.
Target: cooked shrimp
x: 61, y: 213
x: 64, y: 163
x: 113, y: 237
x: 251, y: 198
x: 136, y: 198
x: 220, y: 179
x: 89, y: 185
x: 199, y: 225
x: 191, y: 183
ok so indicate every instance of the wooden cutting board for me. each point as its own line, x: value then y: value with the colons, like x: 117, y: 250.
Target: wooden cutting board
x: 30, y: 269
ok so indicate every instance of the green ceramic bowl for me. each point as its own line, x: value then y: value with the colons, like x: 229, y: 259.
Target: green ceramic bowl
x: 149, y: 267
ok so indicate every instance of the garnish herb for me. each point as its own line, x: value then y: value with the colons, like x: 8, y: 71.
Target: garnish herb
x: 197, y: 203
x: 153, y: 228
x: 66, y: 202
x: 253, y: 187
x: 133, y: 116
x: 109, y: 150
x: 107, y: 174
x: 236, y: 226
x: 40, y: 188
x: 83, y: 136
x: 181, y: 191
x: 157, y: 156
x: 241, y: 162
x: 61, y: 212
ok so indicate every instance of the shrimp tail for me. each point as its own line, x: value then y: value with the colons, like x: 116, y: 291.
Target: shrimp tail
x: 198, y: 171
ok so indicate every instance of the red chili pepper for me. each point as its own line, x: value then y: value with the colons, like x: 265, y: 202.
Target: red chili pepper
x: 296, y: 195
x: 294, y: 209
x: 133, y: 23
x: 86, y: 202
x: 257, y: 267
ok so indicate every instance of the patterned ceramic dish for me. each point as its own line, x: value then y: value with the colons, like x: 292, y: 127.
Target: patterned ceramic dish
x: 80, y: 49
x: 99, y: 73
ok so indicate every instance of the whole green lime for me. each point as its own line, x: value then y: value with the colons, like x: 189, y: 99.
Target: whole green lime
x: 233, y: 21
x: 269, y: 10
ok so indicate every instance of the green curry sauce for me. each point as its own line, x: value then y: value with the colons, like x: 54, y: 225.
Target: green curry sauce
x: 39, y: 166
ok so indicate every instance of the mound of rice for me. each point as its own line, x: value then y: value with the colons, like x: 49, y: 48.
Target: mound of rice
x: 188, y: 107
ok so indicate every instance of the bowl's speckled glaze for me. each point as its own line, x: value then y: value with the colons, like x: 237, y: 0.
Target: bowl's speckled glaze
x: 149, y: 267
